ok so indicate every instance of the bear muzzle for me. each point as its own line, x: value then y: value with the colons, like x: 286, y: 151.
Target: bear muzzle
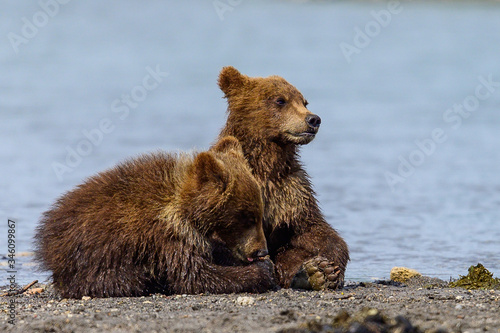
x: 312, y: 123
x: 258, y: 254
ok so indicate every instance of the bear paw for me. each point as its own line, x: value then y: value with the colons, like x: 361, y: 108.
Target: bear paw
x: 266, y: 264
x: 267, y: 280
x: 318, y: 274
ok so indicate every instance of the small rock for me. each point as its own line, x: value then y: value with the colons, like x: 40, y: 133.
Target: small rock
x: 34, y: 291
x: 403, y: 274
x: 86, y: 298
x: 245, y: 300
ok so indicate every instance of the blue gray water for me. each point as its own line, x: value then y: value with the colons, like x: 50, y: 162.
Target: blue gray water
x: 382, y: 79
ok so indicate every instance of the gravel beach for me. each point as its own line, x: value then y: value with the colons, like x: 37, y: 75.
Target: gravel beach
x: 423, y: 305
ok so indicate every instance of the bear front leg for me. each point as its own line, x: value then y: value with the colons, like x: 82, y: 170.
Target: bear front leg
x: 215, y: 279
x: 315, y: 259
x: 193, y: 274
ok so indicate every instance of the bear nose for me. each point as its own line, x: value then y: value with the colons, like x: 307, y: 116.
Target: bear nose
x: 313, y: 120
x: 260, y: 253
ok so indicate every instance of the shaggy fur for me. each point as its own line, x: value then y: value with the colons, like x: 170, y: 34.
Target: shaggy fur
x: 270, y: 119
x: 155, y: 223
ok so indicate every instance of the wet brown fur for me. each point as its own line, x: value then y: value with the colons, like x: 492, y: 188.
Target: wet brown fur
x: 270, y: 135
x: 154, y: 224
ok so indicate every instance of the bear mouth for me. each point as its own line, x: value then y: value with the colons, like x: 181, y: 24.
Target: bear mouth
x: 306, y: 134
x: 240, y: 256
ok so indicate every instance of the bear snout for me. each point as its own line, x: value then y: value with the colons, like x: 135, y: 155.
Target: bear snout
x: 313, y: 121
x: 258, y: 254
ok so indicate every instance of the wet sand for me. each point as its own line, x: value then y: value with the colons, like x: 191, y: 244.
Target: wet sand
x: 423, y: 305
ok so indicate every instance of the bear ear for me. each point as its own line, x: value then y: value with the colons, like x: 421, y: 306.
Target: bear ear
x: 209, y: 172
x: 231, y: 79
x: 228, y: 144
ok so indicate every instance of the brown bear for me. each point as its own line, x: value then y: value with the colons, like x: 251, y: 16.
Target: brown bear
x: 270, y: 118
x: 173, y: 224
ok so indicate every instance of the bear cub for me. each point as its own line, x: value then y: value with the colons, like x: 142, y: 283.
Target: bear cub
x: 270, y: 118
x: 160, y: 223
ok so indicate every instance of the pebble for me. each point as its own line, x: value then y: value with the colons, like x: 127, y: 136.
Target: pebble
x: 245, y: 300
x: 86, y: 298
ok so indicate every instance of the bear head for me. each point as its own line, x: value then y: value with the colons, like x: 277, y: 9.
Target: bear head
x: 267, y: 108
x: 222, y: 198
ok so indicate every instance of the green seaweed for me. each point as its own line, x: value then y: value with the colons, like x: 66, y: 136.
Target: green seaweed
x: 367, y: 320
x: 478, y: 278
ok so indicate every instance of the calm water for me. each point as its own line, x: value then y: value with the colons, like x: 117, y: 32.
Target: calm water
x: 378, y: 91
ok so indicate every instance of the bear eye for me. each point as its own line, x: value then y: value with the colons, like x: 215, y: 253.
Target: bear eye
x: 246, y: 219
x: 280, y: 101
x: 306, y: 103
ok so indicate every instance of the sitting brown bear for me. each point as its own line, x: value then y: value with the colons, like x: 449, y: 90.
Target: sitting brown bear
x: 270, y: 119
x: 155, y: 223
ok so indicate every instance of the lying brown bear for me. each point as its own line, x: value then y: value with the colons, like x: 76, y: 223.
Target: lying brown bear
x: 160, y: 223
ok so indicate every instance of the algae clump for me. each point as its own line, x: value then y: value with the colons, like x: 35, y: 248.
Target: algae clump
x: 478, y: 278
x: 368, y: 320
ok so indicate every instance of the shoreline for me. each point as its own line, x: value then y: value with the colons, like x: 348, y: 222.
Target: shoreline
x: 428, y: 304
